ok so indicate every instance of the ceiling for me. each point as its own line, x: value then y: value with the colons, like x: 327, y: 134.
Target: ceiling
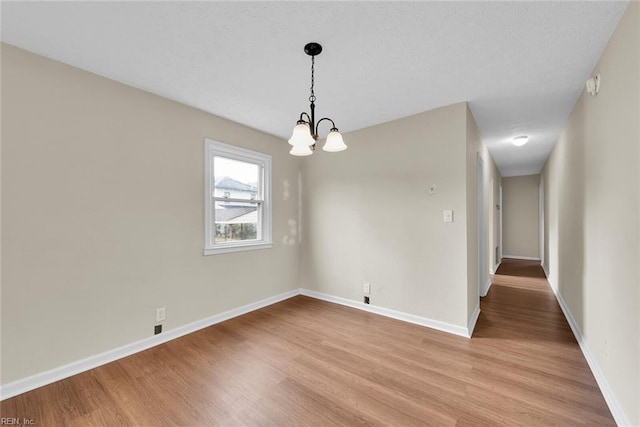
x: 520, y: 65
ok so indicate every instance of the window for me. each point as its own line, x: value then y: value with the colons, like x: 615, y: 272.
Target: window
x: 237, y: 199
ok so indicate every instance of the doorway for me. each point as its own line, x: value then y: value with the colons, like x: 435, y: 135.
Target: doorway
x: 481, y: 254
x: 541, y: 222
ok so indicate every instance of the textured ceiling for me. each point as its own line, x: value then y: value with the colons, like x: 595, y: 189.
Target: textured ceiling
x: 520, y: 65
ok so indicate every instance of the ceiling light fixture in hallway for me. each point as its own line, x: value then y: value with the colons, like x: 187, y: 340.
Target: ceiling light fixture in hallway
x: 519, y: 141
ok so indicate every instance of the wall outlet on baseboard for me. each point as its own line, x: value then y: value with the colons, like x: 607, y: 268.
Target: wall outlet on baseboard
x: 161, y: 314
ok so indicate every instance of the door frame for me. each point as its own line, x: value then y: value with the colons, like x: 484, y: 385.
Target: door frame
x: 480, y: 207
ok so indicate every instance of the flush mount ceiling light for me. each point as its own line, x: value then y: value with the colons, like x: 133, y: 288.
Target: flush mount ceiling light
x: 519, y: 141
x: 305, y: 133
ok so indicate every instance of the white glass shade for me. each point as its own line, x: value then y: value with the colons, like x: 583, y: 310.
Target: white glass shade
x: 301, y: 150
x: 334, y: 142
x: 519, y: 141
x: 301, y: 135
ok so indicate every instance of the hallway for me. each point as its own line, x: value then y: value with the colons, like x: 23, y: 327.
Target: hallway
x: 536, y: 355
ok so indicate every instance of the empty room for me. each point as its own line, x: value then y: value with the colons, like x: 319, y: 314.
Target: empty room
x: 320, y: 213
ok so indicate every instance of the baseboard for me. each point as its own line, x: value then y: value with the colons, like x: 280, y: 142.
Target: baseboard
x: 527, y: 258
x: 485, y: 288
x: 614, y: 406
x: 495, y: 268
x: 38, y: 380
x: 387, y: 312
x: 546, y: 272
x: 472, y: 322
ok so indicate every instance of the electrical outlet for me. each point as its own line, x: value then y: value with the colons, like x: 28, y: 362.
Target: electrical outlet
x: 367, y: 289
x: 161, y: 314
x: 157, y: 329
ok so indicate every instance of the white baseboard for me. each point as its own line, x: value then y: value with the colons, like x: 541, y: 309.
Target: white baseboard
x: 527, y: 258
x: 485, y: 288
x: 495, y: 267
x: 38, y: 380
x: 614, y: 406
x: 546, y: 272
x: 387, y: 312
x: 472, y: 322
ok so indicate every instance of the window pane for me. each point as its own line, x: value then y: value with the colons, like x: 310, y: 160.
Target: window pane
x: 236, y: 222
x: 235, y: 179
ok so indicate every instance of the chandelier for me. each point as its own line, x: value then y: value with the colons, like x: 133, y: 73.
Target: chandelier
x: 305, y: 133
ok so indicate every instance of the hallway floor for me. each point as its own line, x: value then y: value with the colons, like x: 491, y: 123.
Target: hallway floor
x: 310, y: 362
x: 520, y: 317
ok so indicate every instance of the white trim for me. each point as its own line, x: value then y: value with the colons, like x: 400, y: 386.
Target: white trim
x: 527, y: 258
x: 238, y: 248
x: 501, y: 209
x: 487, y: 285
x: 495, y: 267
x: 387, y: 312
x: 541, y: 218
x: 263, y: 160
x: 480, y: 190
x: 546, y: 272
x: 38, y: 380
x: 472, y: 322
x: 614, y: 406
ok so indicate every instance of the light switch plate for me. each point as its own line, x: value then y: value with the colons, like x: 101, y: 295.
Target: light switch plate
x: 447, y: 216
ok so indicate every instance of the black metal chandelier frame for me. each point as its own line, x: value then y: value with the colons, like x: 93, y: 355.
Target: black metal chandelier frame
x: 314, y: 49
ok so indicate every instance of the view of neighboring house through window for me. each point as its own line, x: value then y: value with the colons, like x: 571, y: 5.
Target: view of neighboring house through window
x: 238, y: 206
x: 236, y: 188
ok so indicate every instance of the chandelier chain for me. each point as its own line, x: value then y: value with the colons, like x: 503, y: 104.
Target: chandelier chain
x: 312, y: 97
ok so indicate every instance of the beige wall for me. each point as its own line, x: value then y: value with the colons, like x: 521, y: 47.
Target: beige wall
x: 369, y: 217
x: 477, y: 278
x: 521, y: 216
x: 102, y: 208
x: 592, y: 232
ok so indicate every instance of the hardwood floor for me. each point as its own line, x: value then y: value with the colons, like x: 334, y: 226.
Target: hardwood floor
x: 309, y: 362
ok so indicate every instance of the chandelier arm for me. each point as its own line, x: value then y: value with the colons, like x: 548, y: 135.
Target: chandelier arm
x: 304, y: 113
x: 333, y: 125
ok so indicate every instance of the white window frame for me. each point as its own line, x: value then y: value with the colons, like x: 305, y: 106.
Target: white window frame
x: 215, y: 148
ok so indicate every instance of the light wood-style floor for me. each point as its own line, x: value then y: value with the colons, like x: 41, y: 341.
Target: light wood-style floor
x: 308, y: 362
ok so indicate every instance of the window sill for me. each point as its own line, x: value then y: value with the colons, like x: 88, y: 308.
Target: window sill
x: 238, y: 248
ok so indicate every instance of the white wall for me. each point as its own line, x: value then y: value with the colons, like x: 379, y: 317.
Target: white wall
x: 102, y: 209
x: 592, y: 216
x: 521, y: 216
